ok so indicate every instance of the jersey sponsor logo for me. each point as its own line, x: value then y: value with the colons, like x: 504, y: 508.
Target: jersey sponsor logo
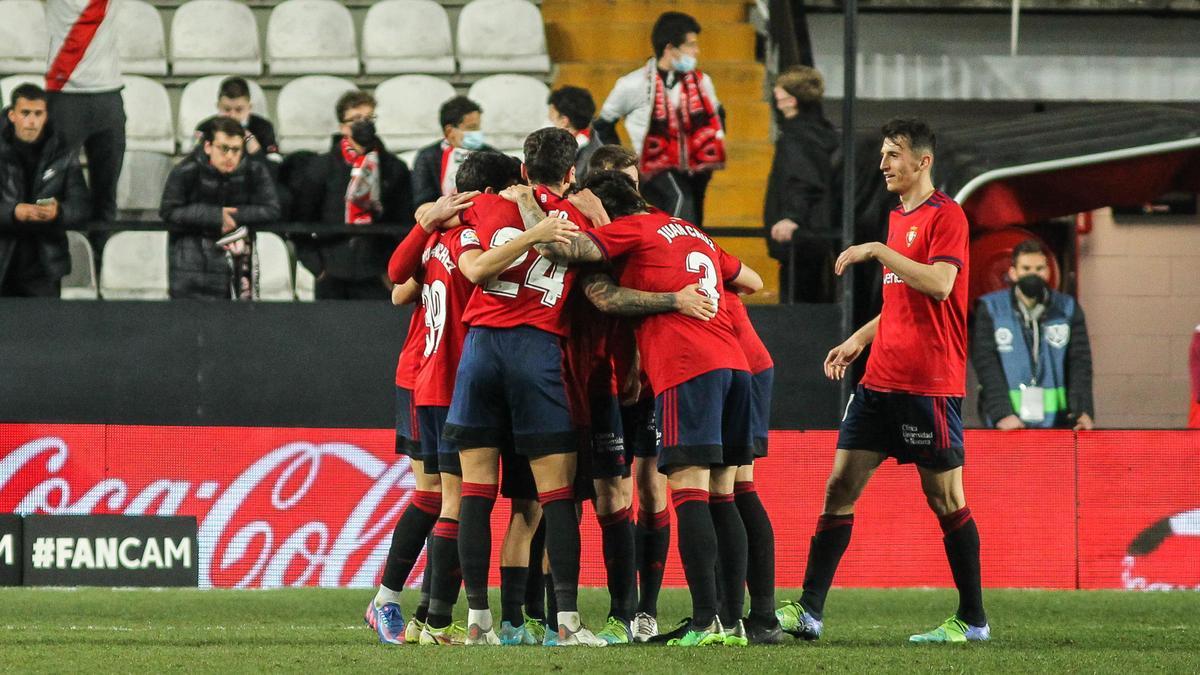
x: 911, y: 236
x: 441, y: 254
x: 891, y: 278
x: 1057, y: 335
x: 1004, y: 340
x: 675, y: 229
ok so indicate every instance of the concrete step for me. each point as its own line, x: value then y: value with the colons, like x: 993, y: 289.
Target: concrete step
x: 734, y: 80
x: 748, y: 121
x: 710, y: 13
x: 603, y: 40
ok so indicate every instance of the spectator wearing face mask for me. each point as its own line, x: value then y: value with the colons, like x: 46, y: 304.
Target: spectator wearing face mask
x: 1031, y: 351
x: 233, y: 101
x: 572, y: 108
x: 673, y: 117
x: 437, y: 163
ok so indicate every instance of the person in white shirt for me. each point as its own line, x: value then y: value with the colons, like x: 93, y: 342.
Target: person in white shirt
x: 673, y: 118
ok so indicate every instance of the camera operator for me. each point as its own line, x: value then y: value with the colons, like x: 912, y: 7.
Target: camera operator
x: 358, y: 182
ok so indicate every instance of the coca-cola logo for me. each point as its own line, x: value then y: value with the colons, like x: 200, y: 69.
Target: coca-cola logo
x: 301, y: 513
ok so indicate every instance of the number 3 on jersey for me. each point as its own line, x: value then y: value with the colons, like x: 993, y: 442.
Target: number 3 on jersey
x: 543, y: 276
x: 698, y: 262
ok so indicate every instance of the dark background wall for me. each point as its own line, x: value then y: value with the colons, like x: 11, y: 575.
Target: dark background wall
x: 288, y: 364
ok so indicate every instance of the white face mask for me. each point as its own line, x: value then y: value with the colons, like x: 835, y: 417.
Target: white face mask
x: 686, y: 63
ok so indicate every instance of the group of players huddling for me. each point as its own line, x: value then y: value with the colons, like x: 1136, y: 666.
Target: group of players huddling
x: 567, y: 338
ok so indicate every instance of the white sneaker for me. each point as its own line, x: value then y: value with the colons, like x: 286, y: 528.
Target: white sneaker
x: 480, y: 630
x: 571, y: 632
x: 644, y: 627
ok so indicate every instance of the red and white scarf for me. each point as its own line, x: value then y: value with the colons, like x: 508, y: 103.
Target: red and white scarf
x: 690, y: 138
x: 362, y: 193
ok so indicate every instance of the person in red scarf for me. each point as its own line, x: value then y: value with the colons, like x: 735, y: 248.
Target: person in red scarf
x: 673, y: 118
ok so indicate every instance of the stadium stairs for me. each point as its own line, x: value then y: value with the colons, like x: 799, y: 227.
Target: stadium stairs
x: 594, y: 42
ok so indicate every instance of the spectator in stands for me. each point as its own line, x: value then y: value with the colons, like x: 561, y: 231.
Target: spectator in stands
x: 212, y: 192
x: 437, y: 164
x: 797, y: 210
x: 83, y: 77
x: 1031, y: 351
x: 41, y: 193
x: 673, y: 118
x: 1194, y: 369
x: 233, y: 101
x: 572, y: 108
x: 358, y: 182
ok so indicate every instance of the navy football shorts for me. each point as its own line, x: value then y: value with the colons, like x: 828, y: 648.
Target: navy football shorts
x: 760, y: 409
x: 406, y: 417
x: 510, y: 385
x: 439, y: 454
x: 607, y: 438
x: 922, y: 430
x: 705, y: 421
x: 641, y: 436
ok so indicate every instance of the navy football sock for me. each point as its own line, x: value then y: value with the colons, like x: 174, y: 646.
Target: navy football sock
x: 408, y: 537
x: 824, y: 553
x: 616, y: 532
x: 731, y: 547
x: 562, y: 542
x: 697, y: 552
x: 760, y: 561
x: 444, y: 572
x: 535, y: 592
x: 962, y: 550
x: 654, y: 543
x: 512, y: 594
x: 475, y: 540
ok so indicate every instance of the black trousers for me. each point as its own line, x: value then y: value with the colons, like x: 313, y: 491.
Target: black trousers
x: 95, y: 122
x: 679, y: 194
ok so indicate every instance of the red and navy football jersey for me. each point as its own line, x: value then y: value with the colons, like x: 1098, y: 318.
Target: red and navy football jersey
x: 663, y: 254
x: 410, y: 354
x: 444, y: 296
x: 757, y: 356
x: 921, y: 344
x: 532, y: 291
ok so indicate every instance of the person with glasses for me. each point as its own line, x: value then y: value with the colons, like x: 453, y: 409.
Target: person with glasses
x: 210, y: 194
x: 357, y: 182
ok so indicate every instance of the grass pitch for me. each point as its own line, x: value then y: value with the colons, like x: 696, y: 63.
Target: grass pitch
x: 321, y: 630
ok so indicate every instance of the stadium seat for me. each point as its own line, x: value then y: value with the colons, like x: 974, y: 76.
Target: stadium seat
x: 214, y: 36
x: 13, y: 81
x: 149, y: 126
x: 80, y: 284
x: 407, y: 36
x: 311, y: 36
x: 143, y: 176
x: 135, y: 266
x: 305, y: 284
x: 501, y: 36
x: 513, y: 106
x: 24, y: 42
x: 140, y: 39
x: 274, y: 267
x: 408, y: 110
x: 305, y: 112
x: 198, y: 102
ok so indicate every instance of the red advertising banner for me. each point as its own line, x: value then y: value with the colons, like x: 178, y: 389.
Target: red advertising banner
x: 285, y: 506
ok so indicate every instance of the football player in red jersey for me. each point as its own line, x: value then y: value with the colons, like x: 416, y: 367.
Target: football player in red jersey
x: 908, y: 403
x: 702, y: 387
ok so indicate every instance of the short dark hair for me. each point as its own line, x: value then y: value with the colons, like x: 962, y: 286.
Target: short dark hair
x: 234, y: 87
x: 27, y: 91
x: 574, y: 103
x: 224, y: 125
x: 616, y: 192
x: 672, y: 29
x: 612, y: 158
x: 486, y: 169
x: 918, y: 134
x: 452, y: 112
x: 351, y: 100
x: 549, y: 155
x: 1026, y: 247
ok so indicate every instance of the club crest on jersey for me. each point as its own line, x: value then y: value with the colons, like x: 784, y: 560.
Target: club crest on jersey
x: 912, y: 235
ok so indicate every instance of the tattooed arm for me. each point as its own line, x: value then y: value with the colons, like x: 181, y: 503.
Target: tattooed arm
x: 579, y: 249
x: 610, y: 298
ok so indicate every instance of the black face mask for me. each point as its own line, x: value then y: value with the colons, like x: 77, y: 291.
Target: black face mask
x: 1032, y: 286
x: 362, y: 132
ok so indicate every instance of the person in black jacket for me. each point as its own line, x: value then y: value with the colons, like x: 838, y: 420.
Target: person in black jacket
x: 212, y: 192
x: 436, y: 164
x: 233, y: 100
x: 42, y: 193
x: 799, y: 189
x: 358, y: 182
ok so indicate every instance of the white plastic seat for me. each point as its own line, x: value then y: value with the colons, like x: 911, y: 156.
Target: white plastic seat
x: 143, y: 177
x: 305, y: 112
x: 149, y: 126
x: 408, y: 110
x: 198, y: 102
x: 306, y: 284
x: 135, y: 266
x: 80, y: 284
x: 214, y: 36
x: 311, y: 36
x: 13, y: 81
x: 502, y: 36
x: 513, y: 106
x: 24, y: 42
x: 274, y: 267
x: 141, y: 41
x: 407, y: 36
